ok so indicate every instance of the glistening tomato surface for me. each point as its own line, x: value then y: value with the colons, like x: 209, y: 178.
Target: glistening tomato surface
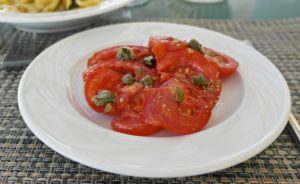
x: 138, y: 70
x: 225, y: 64
x: 131, y: 122
x: 162, y: 109
x: 171, y: 54
x: 101, y: 79
x: 109, y: 54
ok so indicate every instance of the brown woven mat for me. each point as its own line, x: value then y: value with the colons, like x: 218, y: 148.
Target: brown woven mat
x: 24, y: 159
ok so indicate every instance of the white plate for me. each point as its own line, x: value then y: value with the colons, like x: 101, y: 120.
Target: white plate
x: 60, y: 21
x: 252, y: 111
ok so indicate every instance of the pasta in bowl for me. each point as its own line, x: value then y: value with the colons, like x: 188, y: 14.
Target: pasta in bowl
x: 34, y: 6
x: 47, y: 16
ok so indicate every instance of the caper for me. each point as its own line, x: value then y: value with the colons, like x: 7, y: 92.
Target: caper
x: 147, y: 80
x: 199, y: 80
x: 178, y: 94
x: 125, y: 54
x: 194, y: 44
x: 128, y: 79
x: 103, y: 97
x: 149, y: 61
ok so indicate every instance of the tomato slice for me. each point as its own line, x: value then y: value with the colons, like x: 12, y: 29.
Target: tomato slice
x: 175, y: 101
x: 208, y: 94
x: 185, y: 117
x: 110, y: 54
x: 136, y: 69
x: 126, y: 96
x: 125, y: 93
x: 224, y: 64
x: 171, y: 54
x: 132, y: 123
x: 102, y: 79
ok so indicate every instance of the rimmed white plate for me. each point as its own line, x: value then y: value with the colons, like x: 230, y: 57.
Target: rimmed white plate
x: 60, y: 21
x: 252, y: 111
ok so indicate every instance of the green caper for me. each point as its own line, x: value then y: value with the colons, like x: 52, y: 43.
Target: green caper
x: 199, y: 80
x: 194, y: 44
x: 125, y: 54
x: 128, y: 79
x: 178, y: 94
x: 147, y: 80
x: 149, y: 61
x: 103, y: 97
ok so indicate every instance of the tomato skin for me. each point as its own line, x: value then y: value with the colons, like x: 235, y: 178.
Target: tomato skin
x: 100, y: 79
x: 172, y: 54
x: 109, y: 54
x: 224, y: 64
x: 136, y: 69
x: 164, y: 76
x: 124, y: 93
x: 162, y: 110
x: 126, y: 96
x: 131, y: 122
x: 154, y: 40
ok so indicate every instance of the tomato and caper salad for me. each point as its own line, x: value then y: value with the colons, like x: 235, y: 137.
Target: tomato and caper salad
x: 171, y: 84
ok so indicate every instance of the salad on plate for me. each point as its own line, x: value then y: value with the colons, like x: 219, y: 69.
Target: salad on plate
x: 171, y: 84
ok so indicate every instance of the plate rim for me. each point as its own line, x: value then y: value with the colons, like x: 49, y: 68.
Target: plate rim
x: 251, y: 151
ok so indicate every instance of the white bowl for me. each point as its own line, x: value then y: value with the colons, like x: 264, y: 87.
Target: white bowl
x: 59, y: 21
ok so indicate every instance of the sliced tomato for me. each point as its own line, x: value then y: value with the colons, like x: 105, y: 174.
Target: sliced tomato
x: 136, y: 69
x: 109, y: 54
x: 154, y: 40
x: 102, y: 79
x: 209, y: 93
x: 171, y: 54
x: 125, y: 93
x: 144, y: 110
x: 185, y: 117
x: 132, y: 123
x: 126, y: 96
x: 164, y: 76
x: 224, y: 64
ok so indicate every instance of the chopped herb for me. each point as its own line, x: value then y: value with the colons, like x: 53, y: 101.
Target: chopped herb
x: 107, y: 108
x: 178, y: 94
x: 199, y: 80
x: 147, y: 80
x: 125, y: 54
x: 103, y: 97
x: 149, y: 61
x: 211, y: 90
x: 194, y: 44
x: 128, y: 79
x: 139, y: 73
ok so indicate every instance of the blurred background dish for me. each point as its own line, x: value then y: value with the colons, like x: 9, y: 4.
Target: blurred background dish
x: 49, y: 22
x: 205, y: 1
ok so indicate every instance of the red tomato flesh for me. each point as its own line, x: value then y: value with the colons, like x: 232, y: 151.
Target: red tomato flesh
x: 109, y: 54
x: 225, y: 64
x: 188, y: 116
x: 172, y: 54
x: 130, y: 122
x: 101, y: 79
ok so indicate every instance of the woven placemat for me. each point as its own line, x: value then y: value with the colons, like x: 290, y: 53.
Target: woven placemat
x: 24, y: 159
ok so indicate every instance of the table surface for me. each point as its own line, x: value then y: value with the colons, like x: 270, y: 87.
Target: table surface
x: 24, y: 159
